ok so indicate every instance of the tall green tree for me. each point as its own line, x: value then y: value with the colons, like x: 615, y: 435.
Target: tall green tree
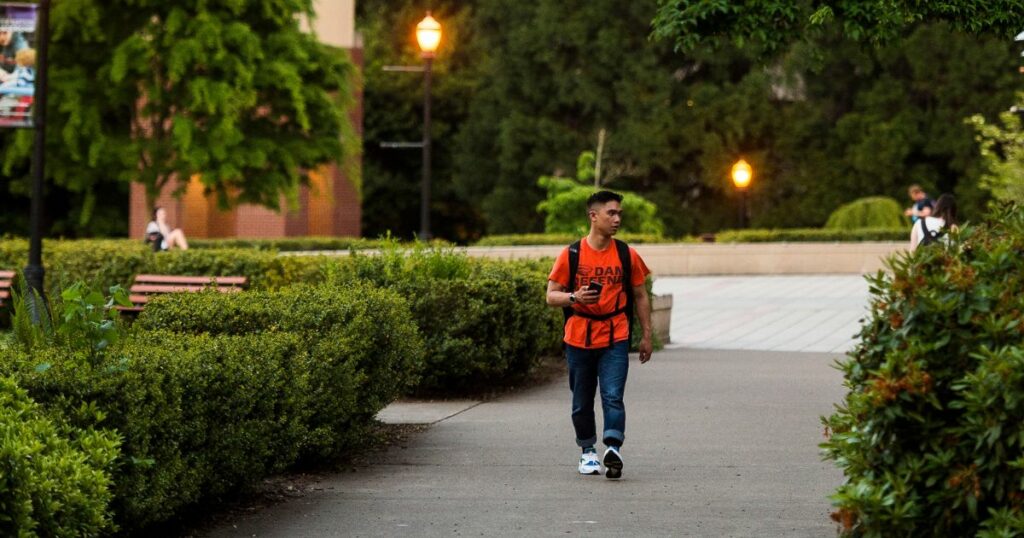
x: 555, y: 75
x: 393, y: 104
x: 774, y: 24
x: 146, y: 90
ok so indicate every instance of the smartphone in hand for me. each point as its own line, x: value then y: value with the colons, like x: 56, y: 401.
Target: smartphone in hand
x: 595, y: 286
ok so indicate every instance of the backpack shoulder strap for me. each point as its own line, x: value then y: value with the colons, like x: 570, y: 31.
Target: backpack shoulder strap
x: 574, y: 266
x: 626, y: 261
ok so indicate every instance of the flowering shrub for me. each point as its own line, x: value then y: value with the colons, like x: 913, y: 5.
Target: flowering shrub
x: 931, y: 434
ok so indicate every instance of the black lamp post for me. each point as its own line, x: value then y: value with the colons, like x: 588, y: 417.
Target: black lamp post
x: 742, y: 173
x: 34, y: 272
x: 428, y: 34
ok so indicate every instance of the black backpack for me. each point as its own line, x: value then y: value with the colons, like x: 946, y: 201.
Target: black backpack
x: 627, y: 278
x: 929, y: 237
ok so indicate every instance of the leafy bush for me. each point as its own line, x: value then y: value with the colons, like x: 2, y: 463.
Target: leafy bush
x: 99, y: 263
x: 54, y: 479
x: 565, y: 208
x: 871, y: 212
x: 287, y: 374
x: 82, y: 319
x: 363, y: 347
x: 1002, y: 151
x: 796, y: 235
x: 482, y: 321
x: 931, y: 434
x: 198, y: 415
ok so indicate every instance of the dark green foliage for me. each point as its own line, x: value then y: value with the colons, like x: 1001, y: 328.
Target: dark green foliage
x: 482, y: 322
x: 363, y: 348
x: 773, y: 24
x: 872, y: 212
x: 931, y: 433
x: 54, y: 479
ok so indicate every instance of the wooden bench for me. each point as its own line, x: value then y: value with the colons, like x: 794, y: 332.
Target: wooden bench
x: 148, y: 286
x: 6, y: 284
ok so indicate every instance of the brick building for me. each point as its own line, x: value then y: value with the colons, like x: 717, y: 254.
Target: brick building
x: 329, y: 207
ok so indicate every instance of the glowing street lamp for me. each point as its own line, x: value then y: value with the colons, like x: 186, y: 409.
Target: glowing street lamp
x: 742, y: 174
x: 428, y: 35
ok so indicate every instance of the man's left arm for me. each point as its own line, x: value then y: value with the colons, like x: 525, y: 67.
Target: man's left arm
x: 643, y: 311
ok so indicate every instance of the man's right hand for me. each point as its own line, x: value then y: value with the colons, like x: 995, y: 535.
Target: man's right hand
x: 587, y: 296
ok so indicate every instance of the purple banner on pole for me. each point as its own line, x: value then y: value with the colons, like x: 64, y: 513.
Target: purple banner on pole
x: 17, y: 63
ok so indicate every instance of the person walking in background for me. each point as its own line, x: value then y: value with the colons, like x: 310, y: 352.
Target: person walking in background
x: 922, y: 206
x: 161, y: 235
x: 597, y: 281
x: 931, y: 229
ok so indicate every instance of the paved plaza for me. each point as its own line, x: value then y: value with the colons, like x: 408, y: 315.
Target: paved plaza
x: 720, y: 442
x: 772, y: 313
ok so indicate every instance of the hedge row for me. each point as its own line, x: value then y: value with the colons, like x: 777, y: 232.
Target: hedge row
x: 300, y: 244
x: 931, y: 434
x: 106, y: 262
x: 565, y: 239
x: 483, y: 322
x: 279, y: 376
x: 728, y: 236
x: 795, y: 235
x: 54, y: 479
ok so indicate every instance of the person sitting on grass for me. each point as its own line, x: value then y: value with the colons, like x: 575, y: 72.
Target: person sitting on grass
x: 161, y: 235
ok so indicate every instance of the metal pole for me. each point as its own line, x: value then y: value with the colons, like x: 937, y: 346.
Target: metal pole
x: 34, y: 270
x: 425, y: 198
x: 743, y: 208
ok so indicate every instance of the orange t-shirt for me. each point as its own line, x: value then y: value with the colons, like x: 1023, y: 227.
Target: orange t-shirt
x: 601, y: 266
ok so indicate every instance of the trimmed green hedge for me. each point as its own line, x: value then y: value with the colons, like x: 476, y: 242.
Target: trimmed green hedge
x: 103, y: 263
x: 363, y: 347
x: 299, y: 244
x: 795, y: 235
x: 54, y: 479
x: 273, y: 377
x: 567, y: 239
x: 931, y: 434
x: 870, y: 212
x: 482, y: 321
x: 792, y: 235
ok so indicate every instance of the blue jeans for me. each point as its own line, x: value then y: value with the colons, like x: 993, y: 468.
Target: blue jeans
x: 588, y: 368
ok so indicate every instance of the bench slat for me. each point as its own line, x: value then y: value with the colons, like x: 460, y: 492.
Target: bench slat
x: 154, y: 288
x: 4, y: 294
x: 5, y: 284
x: 206, y: 280
x: 7, y: 275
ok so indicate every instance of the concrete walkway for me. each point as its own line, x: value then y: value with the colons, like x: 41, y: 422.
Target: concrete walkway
x: 720, y: 441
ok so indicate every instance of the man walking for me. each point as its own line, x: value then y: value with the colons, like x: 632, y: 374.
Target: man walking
x: 598, y: 281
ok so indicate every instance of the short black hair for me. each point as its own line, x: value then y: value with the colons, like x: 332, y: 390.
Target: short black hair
x: 603, y: 197
x: 155, y: 210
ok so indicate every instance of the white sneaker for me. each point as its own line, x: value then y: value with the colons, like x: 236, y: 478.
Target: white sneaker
x: 612, y: 464
x: 589, y: 463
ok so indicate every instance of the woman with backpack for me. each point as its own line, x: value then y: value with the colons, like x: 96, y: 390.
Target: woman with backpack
x: 935, y: 228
